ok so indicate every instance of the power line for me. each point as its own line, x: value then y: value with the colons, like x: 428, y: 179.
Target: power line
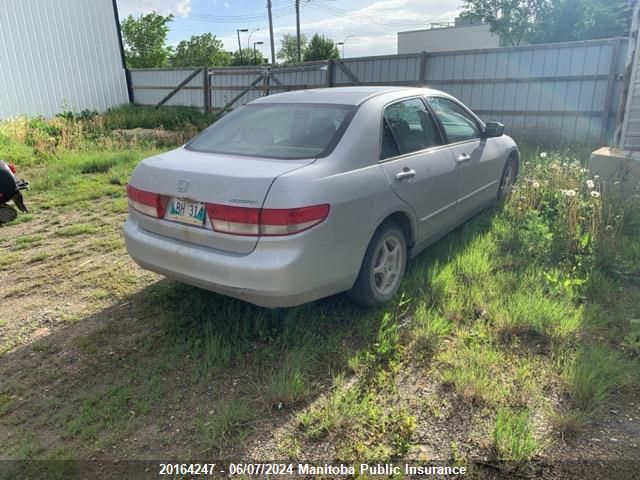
x: 280, y: 8
x: 278, y: 12
x: 389, y: 22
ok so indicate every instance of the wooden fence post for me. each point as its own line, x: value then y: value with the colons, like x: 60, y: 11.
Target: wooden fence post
x: 130, y: 95
x: 206, y: 94
x: 423, y: 68
x: 266, y: 80
x: 331, y: 68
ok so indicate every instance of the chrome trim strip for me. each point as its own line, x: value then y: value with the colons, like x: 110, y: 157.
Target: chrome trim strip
x: 466, y: 197
x: 435, y: 148
x: 433, y: 214
x: 453, y: 204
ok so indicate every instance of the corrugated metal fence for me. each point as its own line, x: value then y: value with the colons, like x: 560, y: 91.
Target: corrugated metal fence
x: 569, y: 90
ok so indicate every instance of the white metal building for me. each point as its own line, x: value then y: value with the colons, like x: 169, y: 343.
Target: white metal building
x: 58, y: 55
x: 622, y: 162
x: 462, y: 35
x: 630, y: 129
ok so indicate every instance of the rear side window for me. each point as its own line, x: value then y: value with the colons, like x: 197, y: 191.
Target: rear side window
x: 457, y: 123
x: 284, y: 131
x: 407, y: 127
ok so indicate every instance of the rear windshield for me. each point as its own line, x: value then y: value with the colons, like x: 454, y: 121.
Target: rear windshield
x: 276, y: 130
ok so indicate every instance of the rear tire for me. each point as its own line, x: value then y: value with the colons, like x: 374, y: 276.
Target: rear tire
x: 7, y: 213
x: 383, y: 267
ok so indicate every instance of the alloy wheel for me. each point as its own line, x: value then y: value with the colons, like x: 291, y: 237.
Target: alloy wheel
x: 388, y: 261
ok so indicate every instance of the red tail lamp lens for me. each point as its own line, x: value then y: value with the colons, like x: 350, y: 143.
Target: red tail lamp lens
x: 267, y: 221
x: 147, y: 203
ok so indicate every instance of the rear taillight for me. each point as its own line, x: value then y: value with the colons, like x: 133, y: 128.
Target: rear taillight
x: 148, y: 203
x: 286, y: 221
x: 12, y: 167
x: 235, y: 220
x: 266, y: 221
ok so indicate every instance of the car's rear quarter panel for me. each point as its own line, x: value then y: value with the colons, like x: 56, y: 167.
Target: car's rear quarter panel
x: 352, y: 182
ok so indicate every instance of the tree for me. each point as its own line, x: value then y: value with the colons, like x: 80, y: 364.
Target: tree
x: 321, y: 48
x: 288, y: 51
x: 513, y: 20
x: 247, y: 57
x: 144, y: 40
x: 570, y: 20
x: 200, y: 50
x: 544, y: 21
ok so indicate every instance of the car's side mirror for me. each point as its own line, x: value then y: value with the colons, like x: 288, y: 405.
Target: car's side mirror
x: 493, y: 129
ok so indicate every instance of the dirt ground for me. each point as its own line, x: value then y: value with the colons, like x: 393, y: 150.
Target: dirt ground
x: 90, y: 369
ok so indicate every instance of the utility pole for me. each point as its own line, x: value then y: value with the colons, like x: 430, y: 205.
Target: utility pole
x: 298, y: 28
x: 239, y: 45
x: 273, y: 47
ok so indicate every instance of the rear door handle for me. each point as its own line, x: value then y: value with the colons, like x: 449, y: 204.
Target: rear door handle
x: 463, y: 158
x: 405, y: 173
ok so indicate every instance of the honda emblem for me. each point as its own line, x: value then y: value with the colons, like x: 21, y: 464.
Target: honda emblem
x: 183, y: 186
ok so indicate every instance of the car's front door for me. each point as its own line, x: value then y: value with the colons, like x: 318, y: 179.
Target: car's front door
x: 420, y: 169
x: 478, y: 162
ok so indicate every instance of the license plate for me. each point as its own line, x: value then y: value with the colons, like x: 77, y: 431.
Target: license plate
x: 186, y: 212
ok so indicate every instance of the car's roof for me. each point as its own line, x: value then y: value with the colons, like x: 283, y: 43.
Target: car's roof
x: 342, y: 95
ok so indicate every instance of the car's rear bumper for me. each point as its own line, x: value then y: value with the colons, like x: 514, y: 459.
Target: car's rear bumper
x: 278, y: 273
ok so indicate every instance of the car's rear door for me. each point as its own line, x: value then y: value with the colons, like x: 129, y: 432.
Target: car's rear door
x: 420, y: 169
x: 479, y: 163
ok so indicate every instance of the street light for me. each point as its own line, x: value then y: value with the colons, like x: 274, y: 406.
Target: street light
x: 345, y: 41
x: 338, y: 44
x: 240, y: 46
x: 254, y: 50
x: 249, y: 38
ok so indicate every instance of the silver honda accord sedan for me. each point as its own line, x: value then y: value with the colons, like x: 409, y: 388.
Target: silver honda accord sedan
x: 301, y: 195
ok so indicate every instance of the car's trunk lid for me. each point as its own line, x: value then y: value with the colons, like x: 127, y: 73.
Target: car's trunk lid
x: 209, y: 178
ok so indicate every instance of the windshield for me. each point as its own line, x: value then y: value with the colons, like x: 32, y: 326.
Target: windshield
x: 276, y: 130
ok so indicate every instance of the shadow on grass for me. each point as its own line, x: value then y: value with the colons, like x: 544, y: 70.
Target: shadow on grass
x: 178, y: 372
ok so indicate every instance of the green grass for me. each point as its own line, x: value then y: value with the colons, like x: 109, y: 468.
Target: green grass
x: 109, y: 409
x: 171, y: 118
x: 226, y: 423
x: 430, y: 328
x: 513, y: 439
x: 6, y: 403
x: 39, y: 257
x: 535, y: 311
x: 362, y: 424
x: 76, y: 229
x: 591, y: 376
x: 8, y: 259
x: 288, y: 384
x: 100, y: 164
x: 520, y: 314
x: 475, y: 372
x: 28, y: 241
x: 216, y: 351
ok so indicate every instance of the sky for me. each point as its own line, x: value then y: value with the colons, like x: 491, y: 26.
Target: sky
x: 367, y: 27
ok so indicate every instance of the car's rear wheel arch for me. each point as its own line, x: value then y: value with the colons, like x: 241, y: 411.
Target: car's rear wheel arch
x: 402, y: 220
x: 383, y: 265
